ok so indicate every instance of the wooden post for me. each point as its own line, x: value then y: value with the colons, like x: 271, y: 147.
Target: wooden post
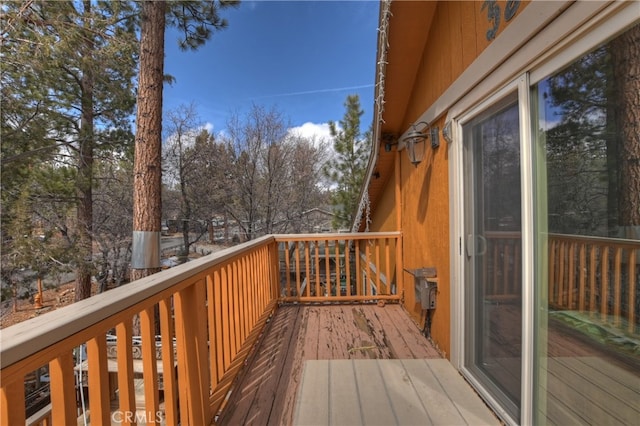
x: 168, y: 364
x: 149, y: 366
x: 124, y: 351
x: 63, y: 393
x: 12, y: 403
x: 191, y: 343
x: 98, y: 375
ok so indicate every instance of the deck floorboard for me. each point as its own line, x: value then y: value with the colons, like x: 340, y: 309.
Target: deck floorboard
x: 266, y: 392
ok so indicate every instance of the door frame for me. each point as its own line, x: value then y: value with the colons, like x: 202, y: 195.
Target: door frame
x: 520, y: 86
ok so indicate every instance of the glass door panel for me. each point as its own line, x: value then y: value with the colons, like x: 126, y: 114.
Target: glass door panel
x: 588, y: 334
x: 493, y: 281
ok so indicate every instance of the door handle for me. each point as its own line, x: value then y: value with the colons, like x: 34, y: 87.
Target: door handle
x: 482, y: 245
x: 476, y: 245
x: 469, y: 247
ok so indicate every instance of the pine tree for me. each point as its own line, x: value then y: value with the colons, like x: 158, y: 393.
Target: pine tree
x: 68, y: 71
x: 347, y: 168
x: 196, y: 20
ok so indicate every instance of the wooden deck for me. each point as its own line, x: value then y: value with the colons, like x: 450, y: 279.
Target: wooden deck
x: 388, y: 392
x: 267, y: 391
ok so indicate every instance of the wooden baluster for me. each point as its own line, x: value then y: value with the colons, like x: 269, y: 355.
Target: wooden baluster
x: 387, y: 255
x: 327, y: 269
x: 235, y: 304
x: 98, y: 376
x: 191, y: 343
x: 378, y: 263
x: 219, y: 301
x: 604, y: 284
x: 358, y: 270
x: 399, y: 267
x: 168, y: 362
x: 552, y: 271
x: 505, y: 269
x: 562, y: 274
x: 12, y: 403
x: 593, y: 262
x: 617, y: 282
x: 572, y: 274
x: 261, y: 278
x: 367, y: 269
x: 632, y: 290
x: 262, y: 272
x: 202, y: 348
x: 485, y: 270
x: 582, y: 278
x: 317, y: 260
x: 127, y: 396
x: 227, y: 313
x: 253, y: 293
x: 242, y: 298
x: 338, y: 269
x: 297, y: 258
x: 288, y: 268
x: 271, y: 272
x: 62, y: 388
x: 238, y: 284
x: 149, y: 366
x: 307, y: 265
x: 232, y: 311
x: 347, y: 264
x: 273, y: 267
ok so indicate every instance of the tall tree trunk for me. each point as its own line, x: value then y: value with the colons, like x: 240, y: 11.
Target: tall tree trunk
x: 185, y: 203
x: 147, y: 209
x: 84, y: 212
x: 625, y: 51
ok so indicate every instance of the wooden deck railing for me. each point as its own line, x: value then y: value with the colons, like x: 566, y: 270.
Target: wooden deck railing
x: 503, y: 264
x: 213, y: 307
x: 209, y: 313
x: 590, y: 274
x: 598, y: 275
x: 339, y: 267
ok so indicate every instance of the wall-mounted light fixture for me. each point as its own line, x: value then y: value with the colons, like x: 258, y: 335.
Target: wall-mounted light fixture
x: 447, y: 132
x: 389, y: 141
x: 435, y: 137
x: 414, y: 140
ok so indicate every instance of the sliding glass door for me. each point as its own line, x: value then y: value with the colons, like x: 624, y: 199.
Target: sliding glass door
x: 493, y: 282
x: 588, y: 333
x: 547, y: 212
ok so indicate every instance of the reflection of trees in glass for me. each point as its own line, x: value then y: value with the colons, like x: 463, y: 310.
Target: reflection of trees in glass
x: 625, y: 55
x: 593, y: 181
x: 501, y: 170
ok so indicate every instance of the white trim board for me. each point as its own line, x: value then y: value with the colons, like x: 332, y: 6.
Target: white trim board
x: 533, y: 36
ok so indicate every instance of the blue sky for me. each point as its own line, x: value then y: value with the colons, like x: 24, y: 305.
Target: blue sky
x: 302, y: 57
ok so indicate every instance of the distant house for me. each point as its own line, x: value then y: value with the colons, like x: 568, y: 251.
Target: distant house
x: 318, y: 220
x: 524, y: 198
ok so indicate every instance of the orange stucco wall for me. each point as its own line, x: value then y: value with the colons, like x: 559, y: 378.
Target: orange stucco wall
x: 456, y: 37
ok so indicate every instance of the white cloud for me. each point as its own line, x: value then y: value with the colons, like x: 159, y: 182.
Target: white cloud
x: 312, y: 131
x: 208, y: 127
